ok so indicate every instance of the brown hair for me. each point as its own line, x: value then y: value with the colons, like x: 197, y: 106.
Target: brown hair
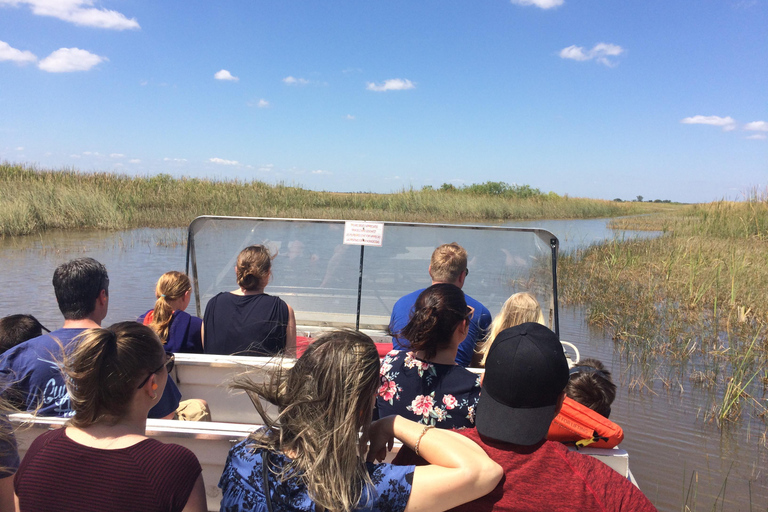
x: 325, y: 399
x: 518, y: 309
x: 104, y: 367
x: 437, y: 313
x: 15, y: 329
x: 254, y: 264
x: 448, y: 262
x: 171, y: 286
x: 591, y: 385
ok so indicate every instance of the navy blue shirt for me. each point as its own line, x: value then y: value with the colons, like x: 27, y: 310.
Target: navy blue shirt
x: 32, y: 378
x: 478, y: 325
x: 184, y: 333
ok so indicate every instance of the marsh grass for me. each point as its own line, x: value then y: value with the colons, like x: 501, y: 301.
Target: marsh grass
x: 35, y: 200
x: 690, y: 306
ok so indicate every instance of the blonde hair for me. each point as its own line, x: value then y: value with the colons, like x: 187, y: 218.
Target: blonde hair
x: 518, y: 309
x: 254, y: 264
x: 325, y: 399
x: 171, y: 286
x: 104, y: 368
x: 448, y: 262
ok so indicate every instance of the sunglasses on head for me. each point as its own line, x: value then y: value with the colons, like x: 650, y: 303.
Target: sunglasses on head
x: 170, y: 359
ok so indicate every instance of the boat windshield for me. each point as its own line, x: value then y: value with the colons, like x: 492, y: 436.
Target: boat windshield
x: 322, y: 279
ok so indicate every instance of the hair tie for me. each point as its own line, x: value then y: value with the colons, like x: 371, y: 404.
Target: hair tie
x: 162, y: 295
x: 586, y: 369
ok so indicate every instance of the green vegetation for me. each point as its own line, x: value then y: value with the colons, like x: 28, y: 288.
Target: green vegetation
x: 37, y: 200
x: 689, y: 306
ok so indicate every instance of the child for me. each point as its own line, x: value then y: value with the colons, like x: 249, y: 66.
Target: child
x: 591, y: 385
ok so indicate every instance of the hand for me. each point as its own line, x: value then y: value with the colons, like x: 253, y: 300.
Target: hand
x: 382, y: 439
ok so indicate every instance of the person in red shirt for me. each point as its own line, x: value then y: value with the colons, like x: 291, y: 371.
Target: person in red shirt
x: 524, y: 386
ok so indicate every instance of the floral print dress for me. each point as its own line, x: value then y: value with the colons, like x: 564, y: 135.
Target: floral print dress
x: 243, y: 490
x: 443, y: 395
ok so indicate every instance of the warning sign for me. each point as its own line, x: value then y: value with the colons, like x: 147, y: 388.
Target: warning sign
x: 360, y: 232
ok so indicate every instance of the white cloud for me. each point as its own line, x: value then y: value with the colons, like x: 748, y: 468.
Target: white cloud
x: 166, y: 159
x: 225, y: 75
x: 20, y: 148
x: 91, y: 153
x: 289, y: 80
x: 727, y: 123
x: 544, y: 4
x: 320, y: 171
x: 349, y: 117
x: 393, y: 84
x: 74, y: 156
x: 20, y: 57
x: 601, y: 53
x: 78, y: 12
x: 758, y: 136
x: 757, y: 126
x: 116, y: 155
x: 266, y: 167
x: 221, y: 161
x: 262, y: 103
x: 134, y: 161
x: 65, y: 60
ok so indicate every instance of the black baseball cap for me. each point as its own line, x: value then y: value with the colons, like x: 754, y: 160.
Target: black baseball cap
x: 525, y: 374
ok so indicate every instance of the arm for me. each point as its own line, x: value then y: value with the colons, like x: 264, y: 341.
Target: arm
x: 197, y: 501
x: 290, y: 333
x: 459, y: 470
x: 7, y: 497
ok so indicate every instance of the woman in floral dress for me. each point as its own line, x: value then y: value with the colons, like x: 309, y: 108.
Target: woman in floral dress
x: 312, y: 456
x: 425, y: 384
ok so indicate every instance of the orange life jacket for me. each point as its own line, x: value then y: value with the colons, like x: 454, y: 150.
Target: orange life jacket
x: 584, y: 427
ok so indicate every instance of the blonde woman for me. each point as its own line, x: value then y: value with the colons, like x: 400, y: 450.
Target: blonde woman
x: 312, y: 457
x: 103, y: 460
x: 518, y: 309
x: 248, y: 321
x: 178, y: 330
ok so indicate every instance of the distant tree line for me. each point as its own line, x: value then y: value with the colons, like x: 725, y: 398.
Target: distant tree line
x: 494, y: 188
x: 639, y: 199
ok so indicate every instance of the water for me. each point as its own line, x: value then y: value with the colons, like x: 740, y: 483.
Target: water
x: 666, y: 432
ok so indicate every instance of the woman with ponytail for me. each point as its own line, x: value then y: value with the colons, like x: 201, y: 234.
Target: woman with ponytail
x: 425, y: 384
x: 247, y: 321
x: 178, y: 330
x: 102, y: 460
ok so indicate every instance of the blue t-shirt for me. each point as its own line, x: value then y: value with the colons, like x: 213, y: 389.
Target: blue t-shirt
x: 443, y: 395
x: 184, y: 333
x: 242, y: 490
x: 478, y: 325
x: 31, y: 377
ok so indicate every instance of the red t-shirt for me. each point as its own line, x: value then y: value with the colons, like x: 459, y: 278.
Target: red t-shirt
x: 60, y: 474
x: 548, y: 476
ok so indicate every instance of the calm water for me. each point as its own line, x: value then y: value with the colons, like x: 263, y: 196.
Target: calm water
x: 666, y: 433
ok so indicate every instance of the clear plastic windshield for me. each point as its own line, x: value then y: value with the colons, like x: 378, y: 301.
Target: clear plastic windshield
x: 319, y: 276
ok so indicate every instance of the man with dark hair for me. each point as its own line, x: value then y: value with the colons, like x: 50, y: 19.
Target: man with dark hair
x: 30, y: 372
x: 447, y: 265
x: 590, y: 384
x: 523, y: 390
x: 15, y: 329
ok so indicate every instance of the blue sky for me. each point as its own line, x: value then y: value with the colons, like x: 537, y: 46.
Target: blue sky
x: 604, y: 99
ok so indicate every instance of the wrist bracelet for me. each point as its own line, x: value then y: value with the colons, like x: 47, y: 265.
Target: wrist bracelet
x: 418, y: 442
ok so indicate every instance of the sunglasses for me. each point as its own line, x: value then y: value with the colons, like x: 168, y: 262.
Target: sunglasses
x: 170, y: 359
x: 470, y: 313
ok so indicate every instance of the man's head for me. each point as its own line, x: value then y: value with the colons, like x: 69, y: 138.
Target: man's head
x: 525, y: 377
x: 15, y: 329
x: 591, y: 385
x: 78, y: 284
x: 448, y: 264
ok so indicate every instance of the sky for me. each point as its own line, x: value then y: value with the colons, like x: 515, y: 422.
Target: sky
x: 590, y: 98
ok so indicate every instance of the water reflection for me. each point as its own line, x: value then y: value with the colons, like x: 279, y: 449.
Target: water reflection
x: 665, y: 431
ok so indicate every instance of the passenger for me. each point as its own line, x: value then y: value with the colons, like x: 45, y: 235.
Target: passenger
x: 15, y: 329
x: 30, y: 375
x: 178, y: 330
x: 247, y: 321
x: 103, y: 460
x: 519, y: 308
x: 590, y: 384
x: 314, y: 458
x: 425, y: 384
x: 9, y: 460
x: 524, y: 387
x: 448, y: 265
